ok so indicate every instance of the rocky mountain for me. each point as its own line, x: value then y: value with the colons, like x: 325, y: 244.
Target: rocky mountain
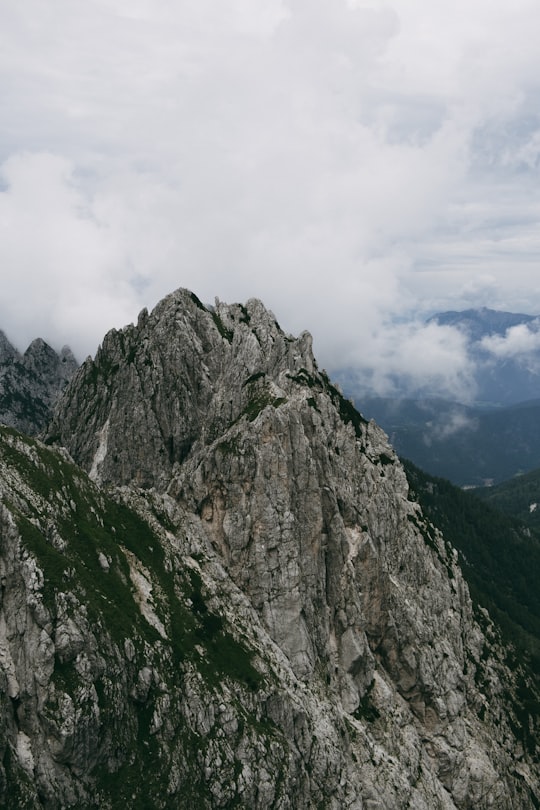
x: 233, y: 599
x: 31, y: 383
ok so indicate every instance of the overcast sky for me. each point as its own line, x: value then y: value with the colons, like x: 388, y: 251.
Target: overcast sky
x: 356, y: 165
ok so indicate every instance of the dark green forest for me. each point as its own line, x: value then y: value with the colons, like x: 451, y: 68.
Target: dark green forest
x: 519, y: 497
x: 499, y: 556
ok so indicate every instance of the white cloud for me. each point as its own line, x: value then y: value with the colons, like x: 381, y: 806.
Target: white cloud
x: 347, y: 162
x: 521, y: 342
x: 60, y: 263
x: 419, y: 358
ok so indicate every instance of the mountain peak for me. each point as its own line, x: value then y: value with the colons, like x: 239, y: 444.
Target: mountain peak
x: 481, y: 322
x: 7, y: 351
x: 242, y: 587
x: 30, y: 383
x: 180, y: 376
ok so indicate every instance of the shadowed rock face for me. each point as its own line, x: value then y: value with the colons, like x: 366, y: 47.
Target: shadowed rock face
x: 284, y: 526
x: 31, y: 383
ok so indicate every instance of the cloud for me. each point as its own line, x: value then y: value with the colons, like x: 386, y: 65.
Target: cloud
x: 59, y: 259
x: 449, y: 424
x: 412, y: 359
x: 521, y: 343
x: 347, y: 162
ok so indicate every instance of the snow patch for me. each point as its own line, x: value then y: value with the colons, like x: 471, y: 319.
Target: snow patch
x: 103, y: 561
x: 101, y: 452
x: 357, y: 539
x: 533, y: 507
x: 140, y: 578
x: 24, y: 753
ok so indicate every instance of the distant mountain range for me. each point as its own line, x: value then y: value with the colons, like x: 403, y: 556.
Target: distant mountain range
x: 479, y: 323
x: 494, y: 440
x: 509, y: 377
x: 469, y: 446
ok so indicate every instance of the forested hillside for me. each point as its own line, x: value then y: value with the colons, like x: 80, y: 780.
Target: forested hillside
x: 519, y: 497
x: 499, y: 555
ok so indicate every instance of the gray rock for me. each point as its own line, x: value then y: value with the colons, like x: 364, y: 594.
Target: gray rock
x: 277, y: 624
x: 31, y: 383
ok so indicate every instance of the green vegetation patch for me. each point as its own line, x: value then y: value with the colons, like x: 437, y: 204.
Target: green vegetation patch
x: 303, y: 377
x: 225, y: 655
x: 107, y: 594
x: 347, y: 411
x: 103, y: 369
x: 222, y: 329
x: 197, y: 301
x: 229, y: 447
x: 254, y: 377
x: 245, y: 317
x: 519, y: 498
x: 260, y: 400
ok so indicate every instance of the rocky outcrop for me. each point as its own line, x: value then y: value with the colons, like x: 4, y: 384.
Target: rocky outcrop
x: 125, y: 681
x: 159, y: 391
x: 31, y: 383
x: 241, y: 593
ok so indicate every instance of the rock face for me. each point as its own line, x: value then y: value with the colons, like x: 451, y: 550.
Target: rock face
x: 31, y: 383
x: 238, y: 603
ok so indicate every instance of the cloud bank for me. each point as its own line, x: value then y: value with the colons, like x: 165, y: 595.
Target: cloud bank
x: 517, y: 341
x: 356, y: 165
x: 520, y: 343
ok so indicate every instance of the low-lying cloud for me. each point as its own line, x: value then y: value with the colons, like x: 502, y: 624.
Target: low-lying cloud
x: 415, y: 359
x: 451, y: 423
x: 521, y: 342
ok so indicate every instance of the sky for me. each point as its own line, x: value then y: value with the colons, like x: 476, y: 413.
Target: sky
x: 356, y: 164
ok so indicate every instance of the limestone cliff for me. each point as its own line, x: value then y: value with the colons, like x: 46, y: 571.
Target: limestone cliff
x: 238, y: 603
x: 31, y: 383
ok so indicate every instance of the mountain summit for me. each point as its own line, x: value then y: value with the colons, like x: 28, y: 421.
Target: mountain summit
x: 235, y: 600
x: 31, y: 383
x: 482, y: 322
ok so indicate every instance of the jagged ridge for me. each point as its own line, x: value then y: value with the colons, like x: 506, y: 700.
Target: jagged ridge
x: 31, y: 383
x: 285, y: 523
